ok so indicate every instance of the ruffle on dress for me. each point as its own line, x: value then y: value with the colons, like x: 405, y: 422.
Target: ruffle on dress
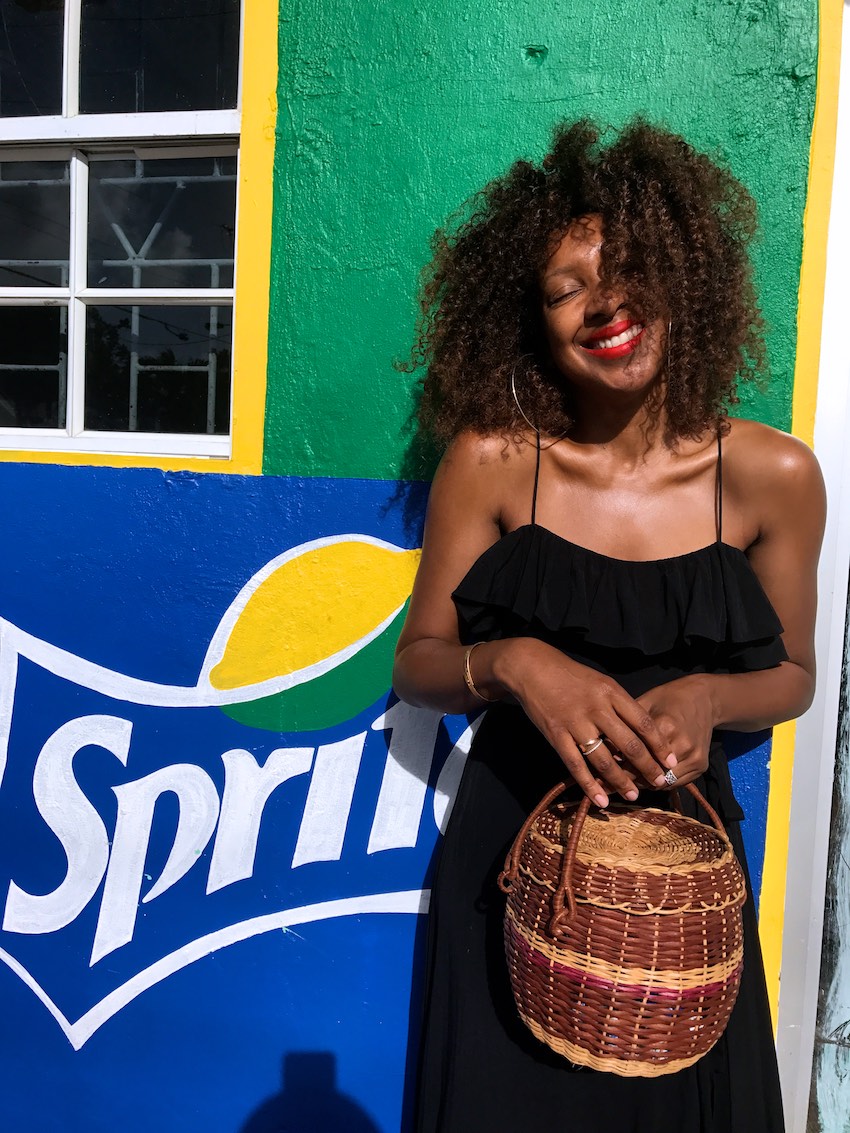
x: 533, y: 581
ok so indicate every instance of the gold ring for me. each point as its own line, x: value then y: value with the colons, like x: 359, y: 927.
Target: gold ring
x: 590, y: 747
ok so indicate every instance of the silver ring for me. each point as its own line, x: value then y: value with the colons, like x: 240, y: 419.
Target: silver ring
x: 670, y: 777
x: 590, y: 747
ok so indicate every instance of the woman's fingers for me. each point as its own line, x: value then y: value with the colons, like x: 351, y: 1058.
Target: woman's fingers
x: 640, y: 721
x: 610, y: 771
x: 610, y: 776
x: 635, y: 752
x: 691, y: 765
x: 636, y: 735
x: 578, y: 767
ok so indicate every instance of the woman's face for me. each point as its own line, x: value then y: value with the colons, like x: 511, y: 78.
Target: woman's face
x: 594, y: 338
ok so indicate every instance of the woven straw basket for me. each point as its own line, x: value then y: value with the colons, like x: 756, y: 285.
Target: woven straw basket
x: 623, y: 933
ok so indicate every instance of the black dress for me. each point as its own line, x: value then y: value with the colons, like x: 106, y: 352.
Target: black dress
x: 643, y: 623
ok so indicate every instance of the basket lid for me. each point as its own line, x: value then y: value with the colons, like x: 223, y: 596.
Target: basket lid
x: 641, y: 859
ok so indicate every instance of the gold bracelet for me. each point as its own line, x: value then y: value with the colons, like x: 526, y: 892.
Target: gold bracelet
x: 467, y: 676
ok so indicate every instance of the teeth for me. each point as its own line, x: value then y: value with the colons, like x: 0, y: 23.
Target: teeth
x: 618, y: 339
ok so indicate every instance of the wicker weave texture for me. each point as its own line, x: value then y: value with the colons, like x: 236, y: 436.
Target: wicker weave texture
x: 641, y: 977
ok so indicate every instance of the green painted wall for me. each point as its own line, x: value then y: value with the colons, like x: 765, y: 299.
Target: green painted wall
x: 391, y: 113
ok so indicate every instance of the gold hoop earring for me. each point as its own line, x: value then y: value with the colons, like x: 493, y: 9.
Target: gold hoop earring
x: 534, y: 428
x: 520, y: 409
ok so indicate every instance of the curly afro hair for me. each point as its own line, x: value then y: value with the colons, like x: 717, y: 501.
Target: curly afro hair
x: 676, y: 224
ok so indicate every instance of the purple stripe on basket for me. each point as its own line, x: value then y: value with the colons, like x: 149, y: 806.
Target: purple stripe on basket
x: 576, y: 975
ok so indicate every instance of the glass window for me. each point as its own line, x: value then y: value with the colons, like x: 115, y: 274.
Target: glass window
x: 35, y: 221
x: 151, y: 224
x: 118, y: 181
x: 162, y: 223
x: 148, y: 55
x: 31, y: 34
x: 158, y: 369
x: 33, y: 367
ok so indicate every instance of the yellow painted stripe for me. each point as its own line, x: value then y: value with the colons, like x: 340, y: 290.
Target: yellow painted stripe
x: 810, y: 305
x: 254, y: 233
x: 772, y: 899
x: 253, y: 259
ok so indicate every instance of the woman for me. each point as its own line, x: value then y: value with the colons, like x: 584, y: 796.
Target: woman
x: 617, y: 568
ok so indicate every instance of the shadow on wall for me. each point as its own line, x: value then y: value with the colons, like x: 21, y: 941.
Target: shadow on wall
x: 309, y: 1101
x: 418, y: 464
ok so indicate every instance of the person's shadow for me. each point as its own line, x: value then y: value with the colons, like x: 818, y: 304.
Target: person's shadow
x: 309, y: 1101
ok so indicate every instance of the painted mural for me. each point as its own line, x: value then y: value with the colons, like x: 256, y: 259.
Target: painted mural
x: 216, y: 822
x: 193, y: 828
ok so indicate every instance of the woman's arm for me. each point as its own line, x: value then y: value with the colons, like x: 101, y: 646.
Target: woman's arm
x: 568, y: 702
x: 779, y: 477
x: 786, y: 479
x: 463, y: 520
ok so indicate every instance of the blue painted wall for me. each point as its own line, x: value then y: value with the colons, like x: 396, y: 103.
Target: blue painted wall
x: 133, y: 570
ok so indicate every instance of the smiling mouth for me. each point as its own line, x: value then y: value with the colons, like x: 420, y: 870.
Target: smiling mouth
x: 623, y: 341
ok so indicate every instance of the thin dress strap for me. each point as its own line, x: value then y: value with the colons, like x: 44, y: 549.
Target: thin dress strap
x: 536, y: 480
x: 718, y: 503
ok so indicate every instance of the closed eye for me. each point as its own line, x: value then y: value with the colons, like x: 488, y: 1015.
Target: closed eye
x: 561, y: 297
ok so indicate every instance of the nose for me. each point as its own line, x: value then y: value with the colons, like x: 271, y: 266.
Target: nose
x: 602, y: 304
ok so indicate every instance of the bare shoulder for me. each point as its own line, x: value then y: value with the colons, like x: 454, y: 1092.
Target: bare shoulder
x: 471, y: 450
x: 489, y: 463
x: 768, y: 457
x: 777, y: 473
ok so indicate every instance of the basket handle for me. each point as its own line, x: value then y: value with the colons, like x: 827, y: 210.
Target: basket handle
x: 563, y: 900
x: 510, y: 873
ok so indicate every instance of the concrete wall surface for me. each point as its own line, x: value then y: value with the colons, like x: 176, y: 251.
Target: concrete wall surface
x: 392, y: 114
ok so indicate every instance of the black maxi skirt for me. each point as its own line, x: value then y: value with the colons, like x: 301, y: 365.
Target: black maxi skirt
x: 480, y: 1070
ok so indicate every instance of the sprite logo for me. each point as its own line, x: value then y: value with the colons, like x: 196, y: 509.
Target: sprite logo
x: 301, y: 644
x: 148, y: 825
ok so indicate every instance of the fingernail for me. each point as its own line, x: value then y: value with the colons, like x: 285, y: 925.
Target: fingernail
x: 601, y: 800
x: 631, y: 796
x: 659, y: 782
x: 671, y: 760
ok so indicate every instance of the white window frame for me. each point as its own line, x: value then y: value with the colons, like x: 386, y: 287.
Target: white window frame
x: 78, y: 137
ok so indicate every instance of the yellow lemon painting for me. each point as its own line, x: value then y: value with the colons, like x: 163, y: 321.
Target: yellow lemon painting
x: 308, y: 641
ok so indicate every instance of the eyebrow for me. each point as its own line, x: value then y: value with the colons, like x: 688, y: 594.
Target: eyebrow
x: 556, y: 272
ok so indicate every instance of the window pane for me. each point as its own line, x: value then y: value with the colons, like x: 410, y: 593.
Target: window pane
x: 30, y: 57
x: 33, y: 345
x: 146, y: 55
x: 34, y: 223
x: 162, y: 223
x: 158, y: 369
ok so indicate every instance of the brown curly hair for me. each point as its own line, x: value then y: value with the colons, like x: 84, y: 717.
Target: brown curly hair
x: 677, y: 225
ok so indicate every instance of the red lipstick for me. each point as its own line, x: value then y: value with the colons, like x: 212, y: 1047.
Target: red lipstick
x: 612, y: 331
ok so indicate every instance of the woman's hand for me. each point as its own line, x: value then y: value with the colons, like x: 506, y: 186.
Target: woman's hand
x: 573, y: 705
x: 683, y: 713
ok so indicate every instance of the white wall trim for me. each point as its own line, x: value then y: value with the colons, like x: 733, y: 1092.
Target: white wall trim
x: 86, y: 128
x: 115, y: 444
x: 811, y: 796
